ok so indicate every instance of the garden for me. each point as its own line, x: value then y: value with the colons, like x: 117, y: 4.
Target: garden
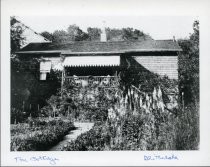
x: 130, y: 120
x: 39, y: 134
x: 125, y: 117
x: 132, y: 115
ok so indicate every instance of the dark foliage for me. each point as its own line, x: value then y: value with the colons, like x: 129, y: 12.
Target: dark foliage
x: 188, y: 133
x: 189, y: 66
x: 39, y: 134
x: 47, y: 35
x: 74, y: 33
x: 16, y: 38
x: 25, y: 83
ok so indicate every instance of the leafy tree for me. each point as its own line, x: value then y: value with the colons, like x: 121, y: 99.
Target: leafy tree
x: 60, y: 36
x: 76, y: 34
x: 94, y: 33
x: 132, y: 34
x: 114, y: 34
x: 128, y: 34
x: 125, y: 34
x: 188, y: 120
x: 16, y: 38
x: 73, y: 33
x: 47, y: 35
x: 189, y: 66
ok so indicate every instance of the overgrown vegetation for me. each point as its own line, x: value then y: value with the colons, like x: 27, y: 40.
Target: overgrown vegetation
x: 134, y: 122
x: 16, y: 38
x: 38, y: 134
x: 24, y: 85
x: 188, y: 126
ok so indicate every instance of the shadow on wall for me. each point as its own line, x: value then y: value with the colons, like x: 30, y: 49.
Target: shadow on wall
x: 134, y: 73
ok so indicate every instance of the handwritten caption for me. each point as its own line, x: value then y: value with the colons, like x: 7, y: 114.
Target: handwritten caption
x: 51, y: 160
x: 160, y: 157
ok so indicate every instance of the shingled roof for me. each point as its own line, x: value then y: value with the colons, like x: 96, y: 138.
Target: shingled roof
x: 102, y: 47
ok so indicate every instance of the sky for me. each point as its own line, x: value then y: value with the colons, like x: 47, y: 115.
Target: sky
x: 158, y: 27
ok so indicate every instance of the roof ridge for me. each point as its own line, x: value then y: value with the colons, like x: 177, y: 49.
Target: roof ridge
x: 97, y: 46
x: 78, y: 42
x: 107, y: 42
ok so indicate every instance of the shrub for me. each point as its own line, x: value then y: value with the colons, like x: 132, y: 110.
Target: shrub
x: 17, y: 115
x: 40, y: 137
x: 150, y: 131
x: 187, y: 129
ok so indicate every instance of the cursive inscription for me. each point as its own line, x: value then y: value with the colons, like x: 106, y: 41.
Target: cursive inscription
x: 51, y: 160
x: 160, y: 157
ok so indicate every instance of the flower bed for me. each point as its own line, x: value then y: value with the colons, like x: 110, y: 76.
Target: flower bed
x: 40, y: 135
x: 133, y: 132
x: 134, y: 122
x: 126, y: 118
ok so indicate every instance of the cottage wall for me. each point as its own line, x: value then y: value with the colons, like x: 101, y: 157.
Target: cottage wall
x: 162, y: 65
x: 55, y: 61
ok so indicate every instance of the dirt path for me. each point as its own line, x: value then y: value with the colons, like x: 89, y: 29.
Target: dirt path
x: 80, y: 128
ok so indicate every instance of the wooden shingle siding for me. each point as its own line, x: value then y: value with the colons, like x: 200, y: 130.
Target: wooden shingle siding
x: 162, y: 65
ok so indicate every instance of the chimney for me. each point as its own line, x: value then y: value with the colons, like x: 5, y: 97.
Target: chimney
x: 103, y: 34
x: 174, y: 40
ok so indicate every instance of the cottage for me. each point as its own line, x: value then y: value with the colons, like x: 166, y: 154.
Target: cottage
x: 105, y: 58
x: 99, y: 59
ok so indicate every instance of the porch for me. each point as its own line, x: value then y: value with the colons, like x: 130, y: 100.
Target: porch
x: 101, y: 71
x: 99, y: 81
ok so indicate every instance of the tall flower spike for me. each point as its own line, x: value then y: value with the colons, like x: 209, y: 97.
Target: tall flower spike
x: 131, y: 91
x: 147, y: 97
x: 126, y: 99
x: 154, y: 94
x: 140, y: 101
x: 159, y: 93
x: 136, y: 95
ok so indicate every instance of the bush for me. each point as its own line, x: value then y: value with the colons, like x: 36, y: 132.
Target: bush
x: 41, y: 136
x: 187, y: 129
x: 150, y: 131
x: 17, y: 116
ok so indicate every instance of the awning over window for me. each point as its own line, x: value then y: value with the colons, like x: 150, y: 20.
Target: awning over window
x: 74, y: 61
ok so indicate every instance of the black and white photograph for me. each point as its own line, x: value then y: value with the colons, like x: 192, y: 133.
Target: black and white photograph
x: 89, y: 83
x: 104, y: 88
